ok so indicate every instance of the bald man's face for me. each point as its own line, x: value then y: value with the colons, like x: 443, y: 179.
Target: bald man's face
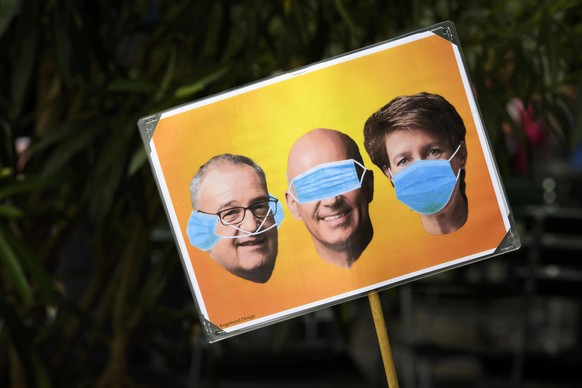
x: 336, y: 221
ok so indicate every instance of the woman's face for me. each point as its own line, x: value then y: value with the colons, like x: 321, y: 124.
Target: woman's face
x: 406, y: 146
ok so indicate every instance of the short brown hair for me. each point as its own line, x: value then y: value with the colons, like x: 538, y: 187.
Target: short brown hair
x: 429, y: 112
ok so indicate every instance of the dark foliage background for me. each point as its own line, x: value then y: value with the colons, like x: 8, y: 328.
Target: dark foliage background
x: 91, y: 289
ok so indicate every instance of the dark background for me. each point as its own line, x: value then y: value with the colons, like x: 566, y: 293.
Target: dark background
x: 92, y: 292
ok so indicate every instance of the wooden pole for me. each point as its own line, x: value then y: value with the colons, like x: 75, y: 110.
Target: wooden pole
x: 382, y: 335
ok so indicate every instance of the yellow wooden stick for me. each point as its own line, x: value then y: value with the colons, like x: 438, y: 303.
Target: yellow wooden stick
x: 382, y: 335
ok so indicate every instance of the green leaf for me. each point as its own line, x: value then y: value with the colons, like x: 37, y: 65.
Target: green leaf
x: 109, y: 171
x: 345, y: 15
x: 10, y: 211
x: 39, y: 276
x: 59, y: 134
x: 13, y: 268
x: 72, y: 145
x: 131, y: 86
x: 62, y: 45
x: 41, y: 377
x: 168, y: 75
x: 195, y: 87
x: 138, y: 159
x: 8, y: 9
x: 551, y: 53
x: 23, y: 54
x: 29, y: 184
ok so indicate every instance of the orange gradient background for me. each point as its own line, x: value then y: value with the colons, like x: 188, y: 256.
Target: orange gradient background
x: 263, y: 124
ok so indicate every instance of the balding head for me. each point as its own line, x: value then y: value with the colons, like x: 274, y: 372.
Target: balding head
x: 224, y: 183
x: 320, y: 146
x: 340, y: 224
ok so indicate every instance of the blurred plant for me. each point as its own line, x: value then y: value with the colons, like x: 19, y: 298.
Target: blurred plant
x: 523, y: 60
x: 84, y: 283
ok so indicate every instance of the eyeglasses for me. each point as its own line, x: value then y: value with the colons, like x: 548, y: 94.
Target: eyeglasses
x: 236, y: 215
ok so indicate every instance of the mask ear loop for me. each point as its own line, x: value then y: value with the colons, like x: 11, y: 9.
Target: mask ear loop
x: 458, y: 174
x: 451, y: 158
x: 291, y: 193
x: 363, y: 168
x: 454, y: 153
x: 256, y: 232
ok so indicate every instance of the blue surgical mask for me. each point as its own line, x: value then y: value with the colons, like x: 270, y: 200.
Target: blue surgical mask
x: 201, y: 229
x: 426, y: 186
x: 327, y: 180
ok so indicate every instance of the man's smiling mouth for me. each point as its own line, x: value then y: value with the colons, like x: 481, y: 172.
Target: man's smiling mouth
x: 336, y: 216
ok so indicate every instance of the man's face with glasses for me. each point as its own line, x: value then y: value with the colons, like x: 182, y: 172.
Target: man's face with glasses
x: 235, y: 193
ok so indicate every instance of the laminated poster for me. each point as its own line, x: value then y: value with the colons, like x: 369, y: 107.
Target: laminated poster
x: 322, y: 184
